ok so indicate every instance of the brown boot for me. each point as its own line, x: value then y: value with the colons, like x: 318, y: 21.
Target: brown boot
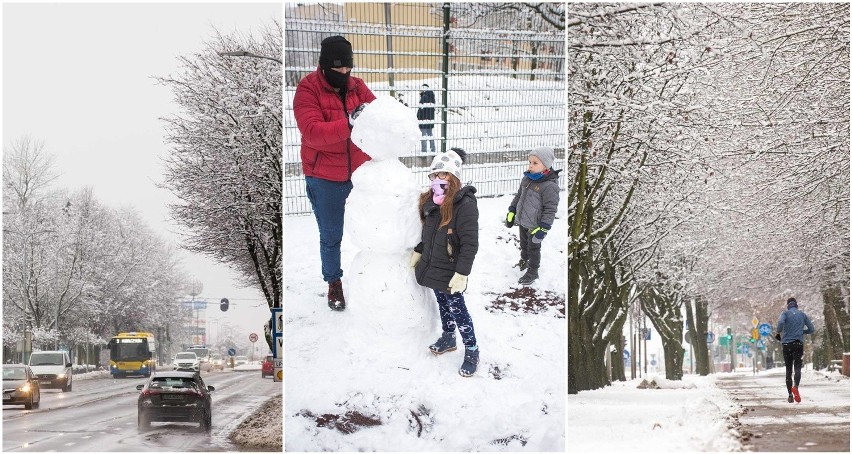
x: 335, y: 296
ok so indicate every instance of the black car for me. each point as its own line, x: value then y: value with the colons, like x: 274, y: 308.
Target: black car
x: 173, y: 396
x: 20, y: 386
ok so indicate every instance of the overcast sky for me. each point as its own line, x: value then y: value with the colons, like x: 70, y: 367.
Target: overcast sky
x: 80, y: 78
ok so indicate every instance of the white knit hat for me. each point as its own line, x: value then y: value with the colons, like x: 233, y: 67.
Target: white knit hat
x: 451, y: 162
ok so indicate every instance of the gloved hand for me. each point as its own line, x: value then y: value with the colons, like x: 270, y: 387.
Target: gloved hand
x: 539, y: 232
x: 778, y: 336
x: 510, y: 218
x: 354, y: 114
x: 458, y: 283
x: 415, y: 257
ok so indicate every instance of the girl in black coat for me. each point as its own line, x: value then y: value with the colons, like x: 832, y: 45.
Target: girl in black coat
x: 448, y: 244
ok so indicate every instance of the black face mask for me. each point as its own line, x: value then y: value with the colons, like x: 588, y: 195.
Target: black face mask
x: 336, y: 79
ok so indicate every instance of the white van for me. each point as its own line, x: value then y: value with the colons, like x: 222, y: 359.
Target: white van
x: 53, y: 369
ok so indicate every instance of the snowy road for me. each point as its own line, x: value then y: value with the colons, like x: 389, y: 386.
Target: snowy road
x: 769, y: 423
x: 100, y: 415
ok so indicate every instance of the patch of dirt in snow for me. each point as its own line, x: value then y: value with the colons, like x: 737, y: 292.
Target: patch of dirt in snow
x: 529, y: 300
x: 346, y: 423
x: 263, y: 429
x: 505, y: 441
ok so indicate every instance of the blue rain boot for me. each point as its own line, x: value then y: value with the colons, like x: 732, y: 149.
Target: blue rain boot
x: 471, y: 360
x: 446, y: 343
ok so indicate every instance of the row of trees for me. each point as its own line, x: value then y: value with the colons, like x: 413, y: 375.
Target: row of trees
x: 709, y: 151
x: 74, y: 270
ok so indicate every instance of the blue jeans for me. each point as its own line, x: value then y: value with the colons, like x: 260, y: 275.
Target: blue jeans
x: 328, y: 199
x: 454, y: 315
x: 426, y: 132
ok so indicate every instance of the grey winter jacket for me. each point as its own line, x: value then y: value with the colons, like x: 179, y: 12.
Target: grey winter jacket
x: 536, y: 201
x: 436, y: 266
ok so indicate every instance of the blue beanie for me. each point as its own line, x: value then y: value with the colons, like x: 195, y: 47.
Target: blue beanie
x: 791, y: 302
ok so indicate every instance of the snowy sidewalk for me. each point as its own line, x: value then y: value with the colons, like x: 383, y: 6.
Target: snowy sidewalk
x: 769, y: 423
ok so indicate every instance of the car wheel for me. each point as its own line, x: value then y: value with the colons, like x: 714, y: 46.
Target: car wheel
x: 29, y: 405
x: 142, y: 422
x: 207, y: 423
x: 37, y: 402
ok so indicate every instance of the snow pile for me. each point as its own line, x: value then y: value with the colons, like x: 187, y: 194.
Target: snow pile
x: 349, y: 389
x: 690, y: 416
x: 262, y: 430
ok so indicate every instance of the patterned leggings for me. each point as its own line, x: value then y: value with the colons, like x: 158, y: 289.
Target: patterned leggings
x: 454, y: 314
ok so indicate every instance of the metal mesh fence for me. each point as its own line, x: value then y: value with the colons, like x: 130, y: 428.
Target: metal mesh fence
x: 497, y: 76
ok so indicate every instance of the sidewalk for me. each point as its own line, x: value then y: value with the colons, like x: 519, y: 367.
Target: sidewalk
x: 769, y: 423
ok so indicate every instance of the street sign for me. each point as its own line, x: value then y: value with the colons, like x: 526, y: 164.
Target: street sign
x: 252, y: 337
x: 277, y: 323
x: 277, y: 369
x: 232, y: 351
x: 761, y: 344
x: 765, y: 329
x: 653, y: 362
x: 711, y: 337
x: 626, y: 354
x: 754, y: 322
x: 755, y: 334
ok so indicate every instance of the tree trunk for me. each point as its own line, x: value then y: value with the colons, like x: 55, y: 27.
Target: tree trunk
x: 697, y: 322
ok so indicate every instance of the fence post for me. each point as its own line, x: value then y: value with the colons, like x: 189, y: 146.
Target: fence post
x: 445, y: 69
x: 389, y: 46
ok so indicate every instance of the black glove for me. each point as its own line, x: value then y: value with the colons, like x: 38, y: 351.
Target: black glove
x: 539, y: 232
x: 355, y: 113
x: 510, y: 218
x: 778, y: 336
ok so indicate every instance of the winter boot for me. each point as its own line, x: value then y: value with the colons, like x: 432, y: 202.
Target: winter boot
x: 529, y: 277
x: 471, y: 360
x: 335, y: 296
x: 446, y: 343
x: 796, y: 395
x: 522, y: 264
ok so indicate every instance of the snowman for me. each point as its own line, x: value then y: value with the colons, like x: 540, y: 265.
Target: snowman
x: 383, y: 224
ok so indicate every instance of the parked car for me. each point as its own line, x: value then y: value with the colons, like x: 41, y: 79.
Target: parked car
x: 267, y: 368
x: 174, y: 396
x: 186, y: 361
x: 53, y: 369
x: 20, y: 386
x: 240, y: 360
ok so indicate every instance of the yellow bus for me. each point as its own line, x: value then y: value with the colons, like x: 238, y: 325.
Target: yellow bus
x: 132, y: 354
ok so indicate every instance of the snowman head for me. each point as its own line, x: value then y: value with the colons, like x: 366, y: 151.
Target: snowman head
x: 386, y: 129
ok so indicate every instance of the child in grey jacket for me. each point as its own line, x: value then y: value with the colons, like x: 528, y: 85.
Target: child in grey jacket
x: 534, y: 208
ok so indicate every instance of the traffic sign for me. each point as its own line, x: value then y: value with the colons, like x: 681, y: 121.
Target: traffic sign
x: 252, y: 337
x: 232, y: 351
x: 277, y: 323
x: 761, y: 344
x: 711, y: 337
x: 754, y: 322
x: 755, y: 334
x: 277, y: 369
x: 765, y: 329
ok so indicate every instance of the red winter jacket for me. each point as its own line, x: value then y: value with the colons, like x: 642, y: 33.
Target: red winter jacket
x: 327, y: 150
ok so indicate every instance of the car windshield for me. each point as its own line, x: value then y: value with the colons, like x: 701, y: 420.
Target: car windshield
x: 47, y: 359
x: 14, y: 373
x: 172, y: 382
x: 186, y: 356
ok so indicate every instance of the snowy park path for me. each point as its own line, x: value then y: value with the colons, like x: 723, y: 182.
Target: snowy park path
x: 769, y: 423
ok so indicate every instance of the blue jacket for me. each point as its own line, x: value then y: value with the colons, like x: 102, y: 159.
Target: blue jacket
x: 792, y: 324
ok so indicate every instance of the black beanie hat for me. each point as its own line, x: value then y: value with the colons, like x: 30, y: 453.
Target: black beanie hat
x: 791, y: 302
x: 336, y: 52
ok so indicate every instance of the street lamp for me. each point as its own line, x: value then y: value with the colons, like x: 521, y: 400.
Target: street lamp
x: 242, y: 53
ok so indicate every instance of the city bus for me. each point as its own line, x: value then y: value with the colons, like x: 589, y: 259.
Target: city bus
x: 132, y: 353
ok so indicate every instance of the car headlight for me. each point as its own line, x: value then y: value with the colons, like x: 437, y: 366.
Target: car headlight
x: 25, y: 388
x: 60, y: 376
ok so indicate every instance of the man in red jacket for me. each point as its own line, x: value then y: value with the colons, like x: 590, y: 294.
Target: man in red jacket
x: 325, y: 104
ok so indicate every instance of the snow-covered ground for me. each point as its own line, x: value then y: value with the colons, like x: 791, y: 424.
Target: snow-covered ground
x: 697, y: 414
x: 262, y: 430
x: 339, y: 398
x: 679, y: 417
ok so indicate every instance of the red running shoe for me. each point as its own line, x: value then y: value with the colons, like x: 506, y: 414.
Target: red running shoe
x: 796, y: 394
